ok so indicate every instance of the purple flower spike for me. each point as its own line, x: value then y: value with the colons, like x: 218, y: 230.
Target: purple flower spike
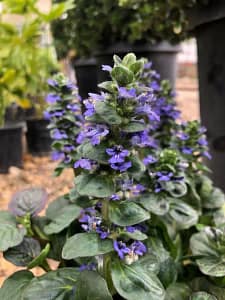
x: 52, y: 82
x: 120, y: 248
x: 115, y: 197
x: 56, y: 155
x: 59, y: 135
x: 183, y: 136
x: 83, y: 163
x: 128, y: 94
x: 52, y: 98
x: 29, y: 201
x: 122, y: 167
x: 117, y: 153
x: 106, y: 68
x: 164, y: 176
x: 202, y: 141
x: 138, y: 248
x: 149, y: 160
x: 187, y: 150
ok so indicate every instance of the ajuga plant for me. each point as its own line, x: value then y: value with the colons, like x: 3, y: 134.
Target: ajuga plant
x: 143, y: 220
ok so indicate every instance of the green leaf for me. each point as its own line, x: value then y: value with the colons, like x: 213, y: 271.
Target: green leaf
x: 132, y: 282
x: 54, y: 285
x: 10, y: 234
x: 177, y: 291
x: 107, y: 113
x: 39, y: 260
x: 215, y: 199
x: 134, y: 127
x: 84, y: 245
x: 129, y: 59
x: 24, y: 253
x: 137, y: 67
x: 63, y: 218
x: 94, y: 185
x: 122, y: 75
x: 127, y: 213
x: 55, y: 206
x: 202, y: 296
x: 96, y: 153
x: 136, y: 235
x: 108, y: 86
x: 14, y: 286
x: 168, y: 272
x: 183, y: 214
x: 91, y: 286
x: 212, y: 262
x: 149, y: 262
x: 155, y: 204
x: 137, y: 166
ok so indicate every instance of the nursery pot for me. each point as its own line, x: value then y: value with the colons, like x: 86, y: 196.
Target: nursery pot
x: 86, y: 75
x: 38, y: 137
x: 10, y: 147
x: 209, y: 25
x: 163, y: 56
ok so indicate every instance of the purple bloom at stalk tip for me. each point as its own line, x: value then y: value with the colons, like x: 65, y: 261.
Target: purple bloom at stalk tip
x: 120, y: 248
x: 117, y: 153
x: 52, y: 98
x: 164, y: 176
x: 130, y: 229
x: 155, y: 86
x: 96, y: 97
x: 127, y: 93
x: 148, y: 65
x: 106, y: 68
x: 138, y: 248
x: 207, y: 154
x: 90, y: 109
x: 58, y: 113
x: 83, y: 163
x: 137, y: 189
x: 68, y: 148
x: 73, y: 107
x: 103, y: 234
x: 149, y: 160
x: 187, y: 150
x: 47, y: 115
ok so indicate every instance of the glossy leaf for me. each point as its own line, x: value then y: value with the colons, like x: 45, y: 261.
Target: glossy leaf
x: 94, y: 185
x: 155, y: 204
x: 96, y: 153
x: 84, y: 245
x: 14, y: 286
x: 122, y: 75
x: 132, y: 282
x: 134, y: 127
x: 202, y: 296
x: 107, y: 113
x: 127, y: 213
x: 90, y: 285
x: 183, y: 214
x: 54, y: 285
x: 63, y: 218
x: 177, y: 291
x: 55, y: 206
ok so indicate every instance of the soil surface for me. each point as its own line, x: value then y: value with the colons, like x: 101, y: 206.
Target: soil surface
x: 38, y: 172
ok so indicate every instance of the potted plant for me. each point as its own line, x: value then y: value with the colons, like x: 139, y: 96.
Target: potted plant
x: 207, y: 22
x: 32, y: 60
x: 143, y: 220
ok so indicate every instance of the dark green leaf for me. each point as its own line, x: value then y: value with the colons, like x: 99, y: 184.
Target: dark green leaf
x: 137, y: 166
x: 55, y: 206
x: 14, y: 286
x: 107, y: 113
x: 183, y: 214
x: 55, y: 285
x: 134, y: 127
x: 84, y: 245
x: 168, y: 272
x: 91, y: 286
x: 94, y: 185
x: 24, y: 253
x: 202, y: 296
x: 10, y: 234
x: 96, y: 153
x: 127, y: 213
x: 132, y: 282
x: 63, y: 218
x: 137, y: 67
x: 136, y: 235
x: 177, y: 291
x: 155, y: 204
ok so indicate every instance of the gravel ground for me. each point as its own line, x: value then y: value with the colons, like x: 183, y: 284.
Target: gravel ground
x: 38, y: 171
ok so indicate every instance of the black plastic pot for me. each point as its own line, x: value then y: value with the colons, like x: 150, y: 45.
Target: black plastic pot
x: 86, y: 74
x: 38, y: 137
x: 209, y: 27
x: 163, y: 56
x: 11, y: 149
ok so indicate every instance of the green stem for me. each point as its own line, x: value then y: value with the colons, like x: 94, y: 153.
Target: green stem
x: 45, y: 266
